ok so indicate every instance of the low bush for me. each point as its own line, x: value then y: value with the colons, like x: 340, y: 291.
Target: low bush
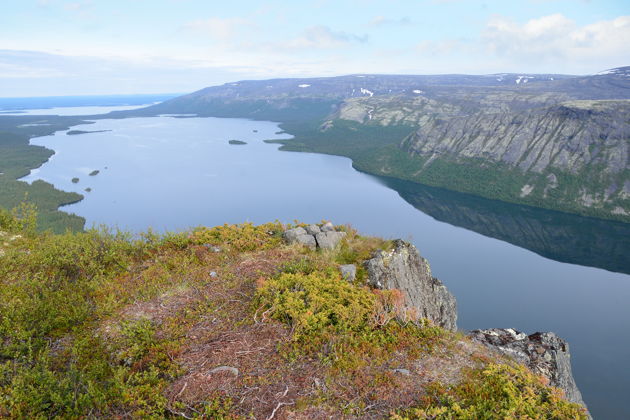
x: 242, y: 238
x: 496, y: 391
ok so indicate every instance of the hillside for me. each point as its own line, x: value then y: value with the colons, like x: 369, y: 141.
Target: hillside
x: 18, y: 158
x: 248, y: 321
x: 551, y: 141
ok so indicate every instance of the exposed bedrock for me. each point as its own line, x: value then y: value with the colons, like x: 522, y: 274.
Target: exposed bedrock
x: 404, y: 269
x: 544, y: 353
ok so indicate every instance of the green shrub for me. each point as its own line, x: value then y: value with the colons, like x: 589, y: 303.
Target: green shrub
x: 497, y: 391
x: 243, y: 237
x: 21, y: 219
x: 316, y: 302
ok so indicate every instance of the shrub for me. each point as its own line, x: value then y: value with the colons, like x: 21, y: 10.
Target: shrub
x: 22, y: 218
x: 496, y: 391
x: 316, y: 302
x: 243, y: 237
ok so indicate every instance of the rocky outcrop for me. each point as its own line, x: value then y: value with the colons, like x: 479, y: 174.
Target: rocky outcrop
x: 565, y: 137
x: 404, y: 269
x: 299, y: 235
x: 314, y: 236
x: 545, y: 150
x: 545, y: 354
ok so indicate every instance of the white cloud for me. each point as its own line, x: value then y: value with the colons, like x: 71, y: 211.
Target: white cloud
x: 383, y: 21
x: 322, y: 37
x: 221, y: 29
x: 556, y: 39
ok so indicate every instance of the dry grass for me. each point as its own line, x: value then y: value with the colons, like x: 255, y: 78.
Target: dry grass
x: 228, y: 333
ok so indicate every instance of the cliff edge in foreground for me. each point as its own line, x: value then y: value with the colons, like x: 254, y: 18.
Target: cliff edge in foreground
x: 243, y: 321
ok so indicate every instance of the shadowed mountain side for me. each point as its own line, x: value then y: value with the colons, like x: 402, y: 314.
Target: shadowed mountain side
x: 558, y: 236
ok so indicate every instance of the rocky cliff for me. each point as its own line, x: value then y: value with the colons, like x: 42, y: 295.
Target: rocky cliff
x: 400, y: 267
x: 576, y: 153
x: 546, y: 354
x: 404, y: 269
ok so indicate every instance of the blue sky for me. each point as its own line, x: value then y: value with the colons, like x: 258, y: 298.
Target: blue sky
x: 70, y: 47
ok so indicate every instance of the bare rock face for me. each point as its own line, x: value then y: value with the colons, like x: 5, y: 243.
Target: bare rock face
x: 545, y: 354
x: 404, y: 269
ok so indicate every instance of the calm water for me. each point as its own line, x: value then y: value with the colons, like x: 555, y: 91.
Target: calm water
x: 174, y: 173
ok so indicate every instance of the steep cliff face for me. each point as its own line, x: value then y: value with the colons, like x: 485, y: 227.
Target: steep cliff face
x: 576, y: 152
x: 566, y: 137
x: 404, y: 269
x: 544, y: 353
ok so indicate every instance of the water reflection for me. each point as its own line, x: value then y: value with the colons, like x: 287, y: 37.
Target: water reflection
x: 559, y: 236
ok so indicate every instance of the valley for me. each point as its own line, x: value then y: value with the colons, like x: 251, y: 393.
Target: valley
x: 552, y: 141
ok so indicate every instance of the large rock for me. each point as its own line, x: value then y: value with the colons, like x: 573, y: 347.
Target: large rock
x: 313, y: 236
x: 291, y: 235
x: 545, y: 354
x: 307, y: 240
x: 404, y: 269
x: 329, y: 239
x: 328, y: 227
x: 312, y: 229
x: 301, y: 236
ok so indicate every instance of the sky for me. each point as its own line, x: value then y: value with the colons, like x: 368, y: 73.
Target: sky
x: 82, y: 47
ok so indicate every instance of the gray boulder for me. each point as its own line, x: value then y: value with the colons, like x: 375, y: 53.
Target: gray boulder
x: 328, y: 239
x: 313, y: 229
x: 328, y: 227
x: 348, y: 271
x: 404, y: 269
x: 307, y: 240
x: 291, y: 235
x: 545, y: 354
x: 300, y: 236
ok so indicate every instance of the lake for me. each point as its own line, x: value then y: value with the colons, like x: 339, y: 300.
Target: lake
x: 173, y: 173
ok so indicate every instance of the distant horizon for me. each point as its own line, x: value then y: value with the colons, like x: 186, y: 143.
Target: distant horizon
x: 297, y: 77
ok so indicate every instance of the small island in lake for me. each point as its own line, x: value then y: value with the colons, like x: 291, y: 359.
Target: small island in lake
x: 94, y: 172
x: 77, y: 132
x: 237, y: 142
x: 75, y: 180
x: 88, y: 189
